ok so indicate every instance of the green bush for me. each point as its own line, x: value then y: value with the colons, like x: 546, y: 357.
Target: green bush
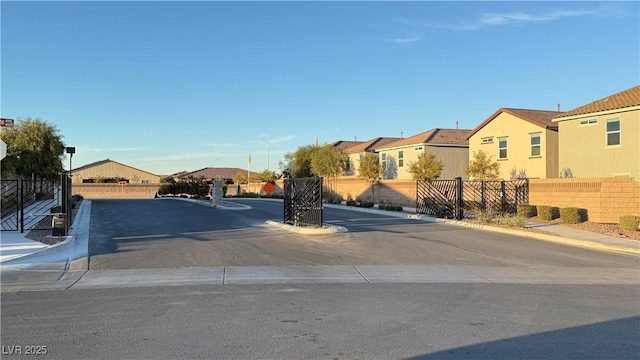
x: 366, y: 204
x: 332, y: 198
x: 630, y: 222
x: 545, y: 212
x: 390, y: 207
x: 511, y: 220
x: 352, y: 203
x: 570, y: 215
x: 525, y: 211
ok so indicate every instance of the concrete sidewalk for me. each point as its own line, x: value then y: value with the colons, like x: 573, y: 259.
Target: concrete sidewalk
x: 16, y: 249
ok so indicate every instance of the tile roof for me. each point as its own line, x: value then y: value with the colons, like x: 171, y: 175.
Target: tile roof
x: 542, y: 118
x: 213, y: 172
x: 446, y: 137
x: 623, y: 99
x: 345, y: 144
x: 100, y: 162
x: 371, y: 145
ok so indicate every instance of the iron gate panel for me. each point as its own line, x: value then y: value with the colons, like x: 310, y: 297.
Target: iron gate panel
x: 39, y: 197
x: 303, y: 201
x: 10, y: 204
x: 439, y: 197
x: 436, y: 198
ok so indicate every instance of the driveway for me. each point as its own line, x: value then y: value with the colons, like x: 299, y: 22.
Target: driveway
x: 138, y: 234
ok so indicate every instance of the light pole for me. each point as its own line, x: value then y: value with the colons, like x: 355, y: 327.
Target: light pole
x: 268, y: 167
x: 66, y: 191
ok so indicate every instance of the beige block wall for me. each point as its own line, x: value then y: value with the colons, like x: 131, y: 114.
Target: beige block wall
x: 518, y: 133
x: 605, y: 199
x: 115, y: 191
x: 583, y: 147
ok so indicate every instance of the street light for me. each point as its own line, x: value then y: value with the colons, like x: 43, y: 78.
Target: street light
x: 268, y: 167
x: 70, y: 150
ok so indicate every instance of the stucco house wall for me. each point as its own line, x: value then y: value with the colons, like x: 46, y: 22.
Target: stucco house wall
x: 519, y: 127
x: 109, y: 169
x: 586, y: 148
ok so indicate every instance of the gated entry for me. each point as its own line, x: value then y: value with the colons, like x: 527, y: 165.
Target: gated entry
x: 458, y: 199
x: 303, y: 201
x: 30, y: 204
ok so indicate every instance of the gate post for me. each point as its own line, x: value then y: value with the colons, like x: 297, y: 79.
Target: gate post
x: 21, y: 205
x: 483, y: 195
x: 459, y: 209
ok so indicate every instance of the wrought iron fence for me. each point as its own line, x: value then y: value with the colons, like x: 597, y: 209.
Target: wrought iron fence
x: 458, y: 199
x: 10, y: 204
x: 30, y: 204
x: 436, y: 198
x: 303, y: 202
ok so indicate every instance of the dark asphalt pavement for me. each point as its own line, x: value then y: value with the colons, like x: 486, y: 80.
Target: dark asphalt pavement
x: 137, y: 234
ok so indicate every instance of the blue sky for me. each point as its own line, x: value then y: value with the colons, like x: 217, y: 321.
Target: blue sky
x: 172, y: 86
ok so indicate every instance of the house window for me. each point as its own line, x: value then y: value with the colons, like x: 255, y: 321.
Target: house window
x: 383, y: 158
x: 487, y: 140
x: 400, y: 158
x: 613, y: 132
x: 502, y: 148
x: 535, y: 144
x: 146, y: 181
x: 347, y: 165
x: 589, y: 122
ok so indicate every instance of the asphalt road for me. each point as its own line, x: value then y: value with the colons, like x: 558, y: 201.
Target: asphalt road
x: 328, y: 321
x: 148, y: 234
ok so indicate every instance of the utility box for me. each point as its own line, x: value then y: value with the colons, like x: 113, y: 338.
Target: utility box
x: 58, y: 224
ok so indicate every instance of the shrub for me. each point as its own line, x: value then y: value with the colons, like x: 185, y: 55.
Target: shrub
x: 366, y: 204
x: 485, y: 217
x: 525, y: 211
x: 352, y: 203
x: 630, y: 222
x: 332, y: 198
x: 544, y: 212
x: 570, y: 215
x: 511, y: 220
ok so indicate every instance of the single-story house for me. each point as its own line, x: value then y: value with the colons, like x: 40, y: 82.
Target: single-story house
x: 109, y: 171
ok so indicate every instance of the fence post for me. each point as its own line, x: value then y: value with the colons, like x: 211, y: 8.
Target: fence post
x: 21, y: 201
x: 483, y: 195
x: 459, y: 209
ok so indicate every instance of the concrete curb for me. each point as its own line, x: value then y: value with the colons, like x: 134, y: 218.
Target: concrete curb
x: 326, y: 229
x: 537, y: 236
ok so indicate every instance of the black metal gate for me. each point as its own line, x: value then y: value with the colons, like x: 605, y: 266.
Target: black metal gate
x: 303, y: 202
x: 30, y: 204
x: 458, y: 199
x: 10, y: 205
x: 436, y: 198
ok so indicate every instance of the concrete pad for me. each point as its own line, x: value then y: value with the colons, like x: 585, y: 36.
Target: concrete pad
x: 292, y: 274
x: 325, y: 229
x: 419, y: 274
x: 150, y: 277
x: 555, y: 275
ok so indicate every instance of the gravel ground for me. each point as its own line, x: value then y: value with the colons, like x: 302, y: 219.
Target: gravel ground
x: 606, y: 229
x: 44, y: 236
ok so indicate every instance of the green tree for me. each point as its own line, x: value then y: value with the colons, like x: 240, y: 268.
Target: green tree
x: 426, y: 168
x: 268, y: 176
x: 34, y: 149
x: 371, y: 170
x: 483, y: 167
x: 329, y: 162
x: 240, y: 177
x: 298, y: 163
